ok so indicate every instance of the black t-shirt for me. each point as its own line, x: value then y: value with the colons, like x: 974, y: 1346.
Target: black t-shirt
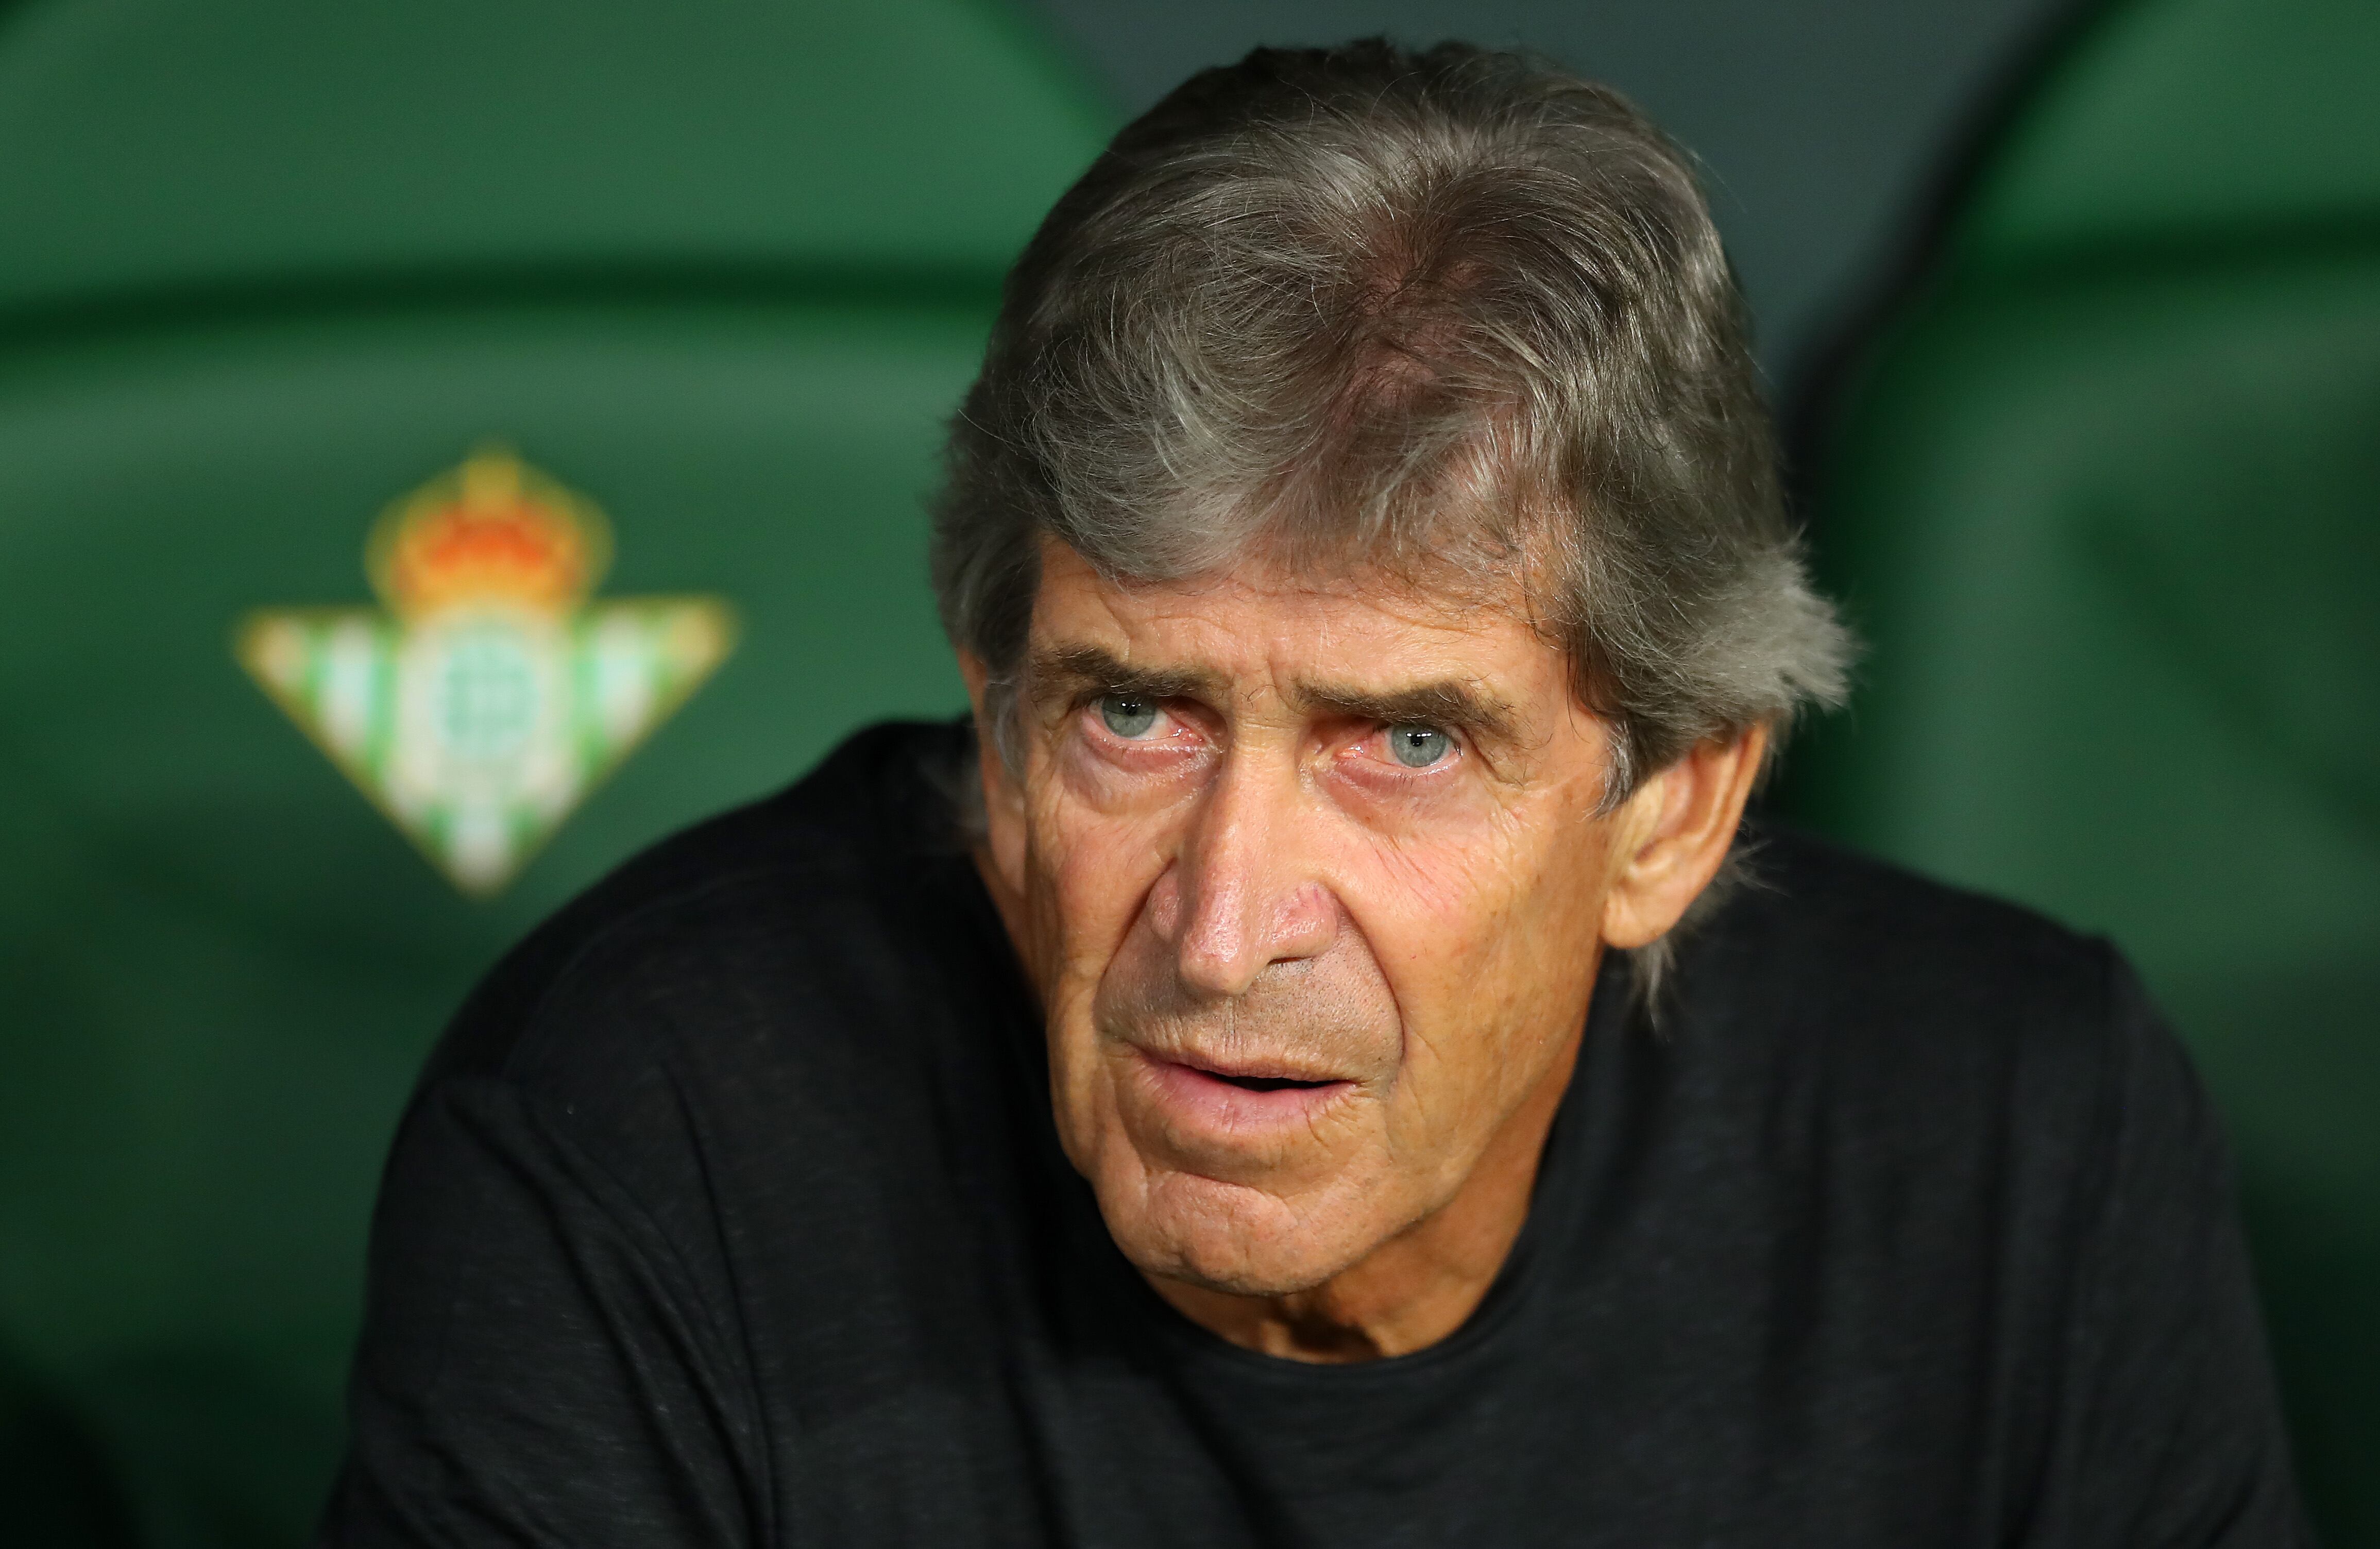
x: 730, y: 1213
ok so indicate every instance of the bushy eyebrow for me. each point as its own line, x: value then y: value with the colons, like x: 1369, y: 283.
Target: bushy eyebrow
x: 1451, y: 703
x: 1073, y: 669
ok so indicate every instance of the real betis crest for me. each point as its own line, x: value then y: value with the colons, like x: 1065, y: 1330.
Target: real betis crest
x: 486, y: 701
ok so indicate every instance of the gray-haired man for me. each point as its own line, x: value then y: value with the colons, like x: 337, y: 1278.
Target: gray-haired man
x: 1310, y: 1080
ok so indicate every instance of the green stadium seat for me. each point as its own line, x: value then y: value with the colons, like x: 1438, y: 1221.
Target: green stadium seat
x: 269, y: 267
x: 2105, y: 497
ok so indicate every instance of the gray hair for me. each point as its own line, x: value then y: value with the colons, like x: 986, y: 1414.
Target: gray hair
x: 1453, y: 311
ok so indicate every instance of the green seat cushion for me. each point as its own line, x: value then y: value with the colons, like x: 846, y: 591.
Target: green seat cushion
x: 271, y: 267
x: 2105, y: 500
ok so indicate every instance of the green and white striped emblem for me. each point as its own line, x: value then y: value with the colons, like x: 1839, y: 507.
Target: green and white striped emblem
x: 488, y: 698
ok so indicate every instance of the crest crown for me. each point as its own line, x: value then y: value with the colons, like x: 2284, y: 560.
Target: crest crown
x: 494, y: 530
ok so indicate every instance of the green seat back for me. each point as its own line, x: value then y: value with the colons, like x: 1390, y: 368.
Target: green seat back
x: 269, y: 266
x: 2105, y: 499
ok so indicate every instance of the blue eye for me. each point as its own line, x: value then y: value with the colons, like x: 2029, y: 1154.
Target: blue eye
x: 1419, y: 747
x: 1128, y: 714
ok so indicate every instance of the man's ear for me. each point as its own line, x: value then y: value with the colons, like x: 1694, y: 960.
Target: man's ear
x: 1003, y: 797
x: 1673, y: 834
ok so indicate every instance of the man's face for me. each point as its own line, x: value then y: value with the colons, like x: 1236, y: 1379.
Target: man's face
x: 1309, y: 877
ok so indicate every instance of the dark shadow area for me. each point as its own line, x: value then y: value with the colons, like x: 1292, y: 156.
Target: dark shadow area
x: 59, y: 1489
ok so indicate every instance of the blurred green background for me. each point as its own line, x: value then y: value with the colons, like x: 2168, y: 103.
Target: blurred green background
x: 2079, y: 311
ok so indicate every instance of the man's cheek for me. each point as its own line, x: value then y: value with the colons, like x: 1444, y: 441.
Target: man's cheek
x: 1100, y: 870
x: 1432, y: 911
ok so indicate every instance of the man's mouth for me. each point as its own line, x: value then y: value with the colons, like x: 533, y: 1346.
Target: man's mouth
x: 1241, y: 1098
x: 1264, y: 1083
x: 1250, y: 1075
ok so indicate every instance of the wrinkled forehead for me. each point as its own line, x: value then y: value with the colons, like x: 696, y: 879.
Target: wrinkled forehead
x: 1446, y: 583
x: 1260, y: 630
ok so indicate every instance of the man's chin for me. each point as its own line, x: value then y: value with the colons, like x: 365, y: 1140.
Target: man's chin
x: 1233, y: 1238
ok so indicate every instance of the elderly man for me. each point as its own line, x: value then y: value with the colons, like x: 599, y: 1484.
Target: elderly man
x: 1329, y: 1071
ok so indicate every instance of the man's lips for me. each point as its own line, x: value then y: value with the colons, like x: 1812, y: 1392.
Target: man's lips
x: 1258, y: 1074
x: 1241, y: 1097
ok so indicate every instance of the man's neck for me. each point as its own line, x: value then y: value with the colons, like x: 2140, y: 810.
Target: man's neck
x: 1417, y: 1287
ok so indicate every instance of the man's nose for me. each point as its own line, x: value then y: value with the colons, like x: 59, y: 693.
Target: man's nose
x: 1241, y: 896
